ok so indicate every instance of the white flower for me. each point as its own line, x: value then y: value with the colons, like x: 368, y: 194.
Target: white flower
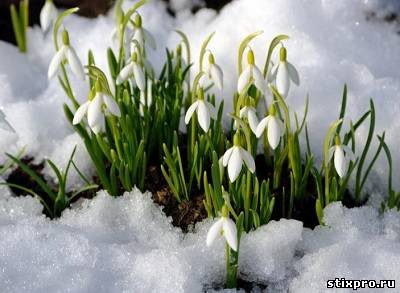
x: 225, y: 226
x: 234, y: 159
x: 340, y: 160
x: 284, y: 73
x: 4, y: 123
x: 48, y: 15
x: 205, y: 111
x: 142, y: 35
x: 146, y: 98
x: 274, y: 127
x: 250, y: 113
x: 96, y: 108
x: 251, y: 74
x: 66, y: 53
x: 214, y: 73
x: 133, y: 68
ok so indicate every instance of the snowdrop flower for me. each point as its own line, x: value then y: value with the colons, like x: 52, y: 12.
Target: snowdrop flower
x: 142, y: 35
x: 250, y: 113
x: 251, y: 74
x: 204, y: 110
x: 225, y: 226
x: 66, y: 53
x: 48, y: 15
x: 274, y: 127
x: 340, y: 160
x: 4, y: 123
x: 284, y: 73
x: 146, y: 97
x: 214, y: 72
x: 234, y: 158
x: 133, y: 68
x: 98, y: 105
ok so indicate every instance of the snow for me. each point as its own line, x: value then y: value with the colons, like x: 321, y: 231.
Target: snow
x: 126, y: 244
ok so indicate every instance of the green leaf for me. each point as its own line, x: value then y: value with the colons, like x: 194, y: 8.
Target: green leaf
x: 275, y: 42
x: 34, y: 176
x: 243, y: 46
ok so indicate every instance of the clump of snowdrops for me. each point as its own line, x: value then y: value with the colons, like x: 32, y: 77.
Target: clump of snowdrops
x: 131, y: 120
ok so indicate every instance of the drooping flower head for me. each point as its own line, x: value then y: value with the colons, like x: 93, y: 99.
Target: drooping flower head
x: 252, y: 74
x: 214, y: 72
x: 283, y: 73
x: 249, y: 112
x: 274, y: 127
x: 142, y: 35
x: 226, y: 227
x: 235, y: 157
x: 342, y: 155
x: 48, y: 15
x: 66, y: 53
x: 133, y: 68
x: 99, y: 104
x: 205, y: 111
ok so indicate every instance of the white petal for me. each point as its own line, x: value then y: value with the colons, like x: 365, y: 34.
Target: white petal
x: 340, y: 162
x: 212, y: 110
x: 262, y: 125
x: 47, y: 16
x: 282, y: 79
x: 124, y: 73
x: 56, y: 62
x: 94, y: 110
x: 75, y: 63
x: 294, y: 75
x: 190, y: 111
x: 272, y: 75
x: 227, y: 156
x: 230, y: 233
x: 112, y: 106
x: 149, y: 92
x: 216, y: 75
x: 235, y: 164
x: 99, y: 126
x: 138, y: 36
x: 243, y: 112
x: 248, y: 159
x: 349, y: 153
x: 214, y: 231
x: 80, y: 113
x: 253, y: 120
x: 139, y: 77
x: 274, y: 133
x: 244, y: 79
x: 150, y: 39
x: 259, y: 81
x: 203, y: 116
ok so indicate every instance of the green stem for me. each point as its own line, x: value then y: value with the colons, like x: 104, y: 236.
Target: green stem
x: 232, y: 259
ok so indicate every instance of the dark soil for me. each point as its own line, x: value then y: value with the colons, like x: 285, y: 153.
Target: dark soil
x: 184, y: 214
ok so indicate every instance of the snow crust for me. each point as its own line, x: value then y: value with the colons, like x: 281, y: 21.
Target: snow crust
x: 127, y: 244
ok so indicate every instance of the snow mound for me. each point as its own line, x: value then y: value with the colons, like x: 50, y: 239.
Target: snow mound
x: 355, y: 244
